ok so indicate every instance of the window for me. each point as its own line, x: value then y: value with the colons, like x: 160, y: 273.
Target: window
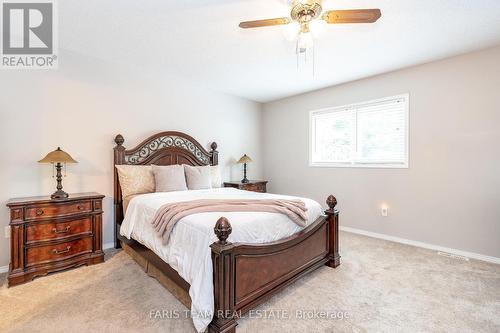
x: 370, y: 134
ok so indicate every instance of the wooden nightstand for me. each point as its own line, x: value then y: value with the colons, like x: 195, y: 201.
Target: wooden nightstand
x: 252, y: 185
x: 52, y: 235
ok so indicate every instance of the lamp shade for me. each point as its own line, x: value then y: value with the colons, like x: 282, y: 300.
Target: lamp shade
x: 244, y: 159
x: 57, y: 156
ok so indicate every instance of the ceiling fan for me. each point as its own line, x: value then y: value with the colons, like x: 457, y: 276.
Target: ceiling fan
x: 304, y: 12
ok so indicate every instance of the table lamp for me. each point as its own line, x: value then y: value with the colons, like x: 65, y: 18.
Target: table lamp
x: 58, y: 158
x: 244, y: 160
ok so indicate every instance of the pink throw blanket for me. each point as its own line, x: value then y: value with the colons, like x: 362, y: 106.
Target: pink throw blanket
x: 168, y: 215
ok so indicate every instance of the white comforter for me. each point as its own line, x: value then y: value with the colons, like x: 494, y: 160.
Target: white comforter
x: 188, y: 250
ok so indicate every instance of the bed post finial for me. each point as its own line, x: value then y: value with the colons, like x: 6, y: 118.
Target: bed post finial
x: 119, y: 140
x: 215, y: 153
x: 222, y: 229
x: 331, y: 201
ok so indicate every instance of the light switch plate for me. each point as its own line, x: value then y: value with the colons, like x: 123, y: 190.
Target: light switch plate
x: 7, y: 231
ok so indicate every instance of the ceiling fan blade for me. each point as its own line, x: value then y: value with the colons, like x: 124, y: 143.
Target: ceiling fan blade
x: 264, y: 23
x: 352, y: 16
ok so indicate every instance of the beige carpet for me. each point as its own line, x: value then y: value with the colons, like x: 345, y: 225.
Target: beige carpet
x: 381, y: 287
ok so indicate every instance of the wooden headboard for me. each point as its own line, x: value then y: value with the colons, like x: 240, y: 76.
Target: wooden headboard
x: 166, y: 148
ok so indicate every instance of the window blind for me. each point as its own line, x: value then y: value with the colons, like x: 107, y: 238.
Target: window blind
x: 372, y: 133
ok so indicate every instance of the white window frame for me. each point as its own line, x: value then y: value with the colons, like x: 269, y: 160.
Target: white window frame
x: 358, y: 164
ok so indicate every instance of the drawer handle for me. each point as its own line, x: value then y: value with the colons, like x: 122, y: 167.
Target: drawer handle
x: 79, y: 207
x: 39, y: 212
x: 56, y: 251
x: 63, y: 231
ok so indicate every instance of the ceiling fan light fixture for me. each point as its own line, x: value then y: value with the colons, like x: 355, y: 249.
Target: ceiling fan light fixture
x: 305, y: 42
x: 305, y: 12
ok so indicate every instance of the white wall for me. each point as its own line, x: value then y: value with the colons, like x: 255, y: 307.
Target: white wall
x: 450, y: 195
x: 83, y: 105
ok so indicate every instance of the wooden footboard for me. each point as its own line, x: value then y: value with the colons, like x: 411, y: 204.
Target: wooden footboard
x: 246, y: 275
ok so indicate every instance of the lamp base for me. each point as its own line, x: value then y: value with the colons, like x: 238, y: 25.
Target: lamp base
x: 59, y: 194
x: 244, y: 180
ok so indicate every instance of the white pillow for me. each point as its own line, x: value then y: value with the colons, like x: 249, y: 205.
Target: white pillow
x: 197, y: 178
x: 135, y: 179
x: 215, y: 176
x: 169, y: 178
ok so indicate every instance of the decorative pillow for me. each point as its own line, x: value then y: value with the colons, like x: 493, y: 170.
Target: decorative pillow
x: 198, y: 178
x: 135, y: 179
x: 169, y: 178
x: 215, y: 176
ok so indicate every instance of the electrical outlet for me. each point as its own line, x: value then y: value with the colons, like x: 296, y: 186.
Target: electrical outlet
x: 384, y: 211
x: 7, y: 231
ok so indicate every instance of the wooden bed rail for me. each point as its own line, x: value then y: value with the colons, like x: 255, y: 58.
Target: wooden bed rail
x: 245, y: 275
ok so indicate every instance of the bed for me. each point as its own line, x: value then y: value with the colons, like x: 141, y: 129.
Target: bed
x: 240, y: 267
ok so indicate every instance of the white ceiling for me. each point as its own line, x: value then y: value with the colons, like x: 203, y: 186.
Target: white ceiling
x: 200, y: 40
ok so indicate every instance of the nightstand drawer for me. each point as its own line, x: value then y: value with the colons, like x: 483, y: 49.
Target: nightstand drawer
x: 255, y: 188
x: 52, y: 231
x: 51, y: 253
x: 252, y: 185
x: 57, y: 210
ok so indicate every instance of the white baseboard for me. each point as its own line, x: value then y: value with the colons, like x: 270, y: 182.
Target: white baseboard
x: 5, y: 269
x: 471, y: 255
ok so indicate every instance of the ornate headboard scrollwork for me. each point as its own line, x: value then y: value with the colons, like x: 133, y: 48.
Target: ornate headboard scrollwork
x: 175, y: 147
x: 166, y: 148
